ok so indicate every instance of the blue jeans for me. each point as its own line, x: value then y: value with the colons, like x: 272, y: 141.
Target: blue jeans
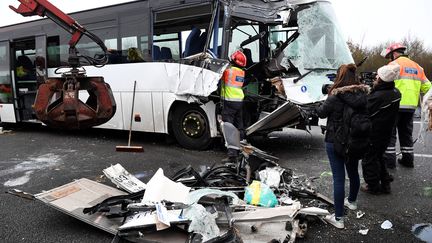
x: 338, y: 166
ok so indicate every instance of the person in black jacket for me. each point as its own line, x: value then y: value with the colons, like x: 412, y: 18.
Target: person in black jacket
x: 383, y: 107
x: 346, y: 90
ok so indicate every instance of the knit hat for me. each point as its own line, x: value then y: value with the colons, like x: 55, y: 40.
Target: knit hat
x: 389, y: 73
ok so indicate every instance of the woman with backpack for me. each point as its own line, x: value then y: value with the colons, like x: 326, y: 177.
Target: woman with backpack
x: 346, y: 91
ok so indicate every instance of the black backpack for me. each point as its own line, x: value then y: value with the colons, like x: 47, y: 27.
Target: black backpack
x: 352, y: 138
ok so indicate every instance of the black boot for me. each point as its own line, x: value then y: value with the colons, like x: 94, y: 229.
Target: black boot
x: 374, y: 190
x: 385, y: 187
x: 406, y: 163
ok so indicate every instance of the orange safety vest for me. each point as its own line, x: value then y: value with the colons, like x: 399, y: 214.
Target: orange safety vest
x: 411, y: 82
x: 233, y: 79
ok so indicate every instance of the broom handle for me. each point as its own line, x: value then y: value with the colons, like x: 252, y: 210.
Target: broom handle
x: 133, y: 103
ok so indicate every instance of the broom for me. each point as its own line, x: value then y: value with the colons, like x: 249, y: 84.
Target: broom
x: 130, y: 148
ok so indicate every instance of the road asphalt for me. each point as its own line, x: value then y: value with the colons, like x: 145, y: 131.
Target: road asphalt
x: 34, y: 159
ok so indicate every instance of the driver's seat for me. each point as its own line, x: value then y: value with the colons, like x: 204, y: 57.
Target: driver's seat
x: 248, y: 54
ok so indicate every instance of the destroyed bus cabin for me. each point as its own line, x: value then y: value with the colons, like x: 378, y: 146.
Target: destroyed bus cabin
x: 177, y: 51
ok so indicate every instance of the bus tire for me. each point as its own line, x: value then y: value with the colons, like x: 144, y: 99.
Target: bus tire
x: 190, y: 127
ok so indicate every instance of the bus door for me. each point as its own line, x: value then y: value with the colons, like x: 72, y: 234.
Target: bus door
x: 7, y: 111
x: 29, y: 68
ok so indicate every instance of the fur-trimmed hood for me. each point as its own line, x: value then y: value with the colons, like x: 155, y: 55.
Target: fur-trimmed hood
x: 353, y: 95
x: 352, y: 89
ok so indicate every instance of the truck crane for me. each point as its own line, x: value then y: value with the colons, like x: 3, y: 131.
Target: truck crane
x: 57, y: 102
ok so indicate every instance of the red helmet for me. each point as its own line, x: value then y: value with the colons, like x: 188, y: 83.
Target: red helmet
x: 391, y: 48
x: 239, y: 58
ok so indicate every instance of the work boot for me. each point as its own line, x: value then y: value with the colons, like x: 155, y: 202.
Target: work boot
x: 374, y: 190
x: 406, y: 163
x: 391, y: 166
x: 385, y: 187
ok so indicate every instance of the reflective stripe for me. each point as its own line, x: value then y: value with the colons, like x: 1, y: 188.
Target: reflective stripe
x: 233, y: 147
x: 233, y: 99
x: 390, y: 152
x: 412, y: 78
x: 407, y: 107
x: 407, y: 147
x: 407, y: 152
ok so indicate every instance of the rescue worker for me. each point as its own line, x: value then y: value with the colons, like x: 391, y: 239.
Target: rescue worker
x: 411, y: 82
x: 383, y: 107
x: 232, y: 104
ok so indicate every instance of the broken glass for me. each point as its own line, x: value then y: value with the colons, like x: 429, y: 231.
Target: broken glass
x: 321, y: 43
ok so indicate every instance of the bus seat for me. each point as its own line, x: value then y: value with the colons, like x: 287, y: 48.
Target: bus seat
x: 202, y: 41
x: 192, y: 42
x: 166, y: 53
x: 156, y: 52
x: 248, y: 54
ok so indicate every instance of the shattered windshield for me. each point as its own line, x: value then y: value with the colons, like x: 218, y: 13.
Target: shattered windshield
x: 320, y: 44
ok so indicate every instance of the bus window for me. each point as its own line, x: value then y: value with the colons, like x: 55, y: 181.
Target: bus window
x: 169, y: 46
x: 242, y: 33
x: 53, y: 51
x: 5, y: 81
x: 134, y: 30
x: 25, y: 55
x: 130, y: 50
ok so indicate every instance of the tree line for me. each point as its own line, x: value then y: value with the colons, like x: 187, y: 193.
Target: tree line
x: 416, y: 51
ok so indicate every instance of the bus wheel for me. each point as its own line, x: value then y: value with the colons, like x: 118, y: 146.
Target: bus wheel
x: 190, y: 127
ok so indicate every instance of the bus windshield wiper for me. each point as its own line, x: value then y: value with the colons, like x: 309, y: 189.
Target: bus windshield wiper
x: 312, y: 70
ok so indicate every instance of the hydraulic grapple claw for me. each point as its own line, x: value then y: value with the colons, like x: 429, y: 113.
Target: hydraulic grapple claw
x: 58, y: 105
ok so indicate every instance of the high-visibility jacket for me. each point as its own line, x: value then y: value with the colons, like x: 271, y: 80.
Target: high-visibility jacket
x: 232, y: 83
x: 411, y: 82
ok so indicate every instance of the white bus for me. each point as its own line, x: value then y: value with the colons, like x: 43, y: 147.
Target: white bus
x: 291, y: 47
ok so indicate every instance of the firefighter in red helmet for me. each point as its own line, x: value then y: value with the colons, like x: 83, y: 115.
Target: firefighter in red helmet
x: 232, y: 101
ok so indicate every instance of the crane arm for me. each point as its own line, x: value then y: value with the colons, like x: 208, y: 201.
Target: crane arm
x: 44, y: 8
x: 69, y: 111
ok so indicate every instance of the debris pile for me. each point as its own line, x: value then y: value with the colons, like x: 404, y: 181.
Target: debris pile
x: 255, y: 200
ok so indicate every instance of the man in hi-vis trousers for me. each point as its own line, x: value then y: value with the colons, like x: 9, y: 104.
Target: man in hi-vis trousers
x: 411, y: 82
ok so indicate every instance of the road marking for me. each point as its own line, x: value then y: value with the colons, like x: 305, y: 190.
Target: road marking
x: 423, y: 155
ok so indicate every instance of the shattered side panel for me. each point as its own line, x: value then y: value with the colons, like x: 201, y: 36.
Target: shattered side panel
x: 72, y: 198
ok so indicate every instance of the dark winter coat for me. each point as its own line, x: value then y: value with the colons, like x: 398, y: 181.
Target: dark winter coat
x: 383, y: 107
x: 332, y: 108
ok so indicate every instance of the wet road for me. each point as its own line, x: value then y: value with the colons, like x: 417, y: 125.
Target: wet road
x: 34, y: 159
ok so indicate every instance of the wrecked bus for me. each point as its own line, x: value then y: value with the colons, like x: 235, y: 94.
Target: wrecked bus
x: 177, y: 52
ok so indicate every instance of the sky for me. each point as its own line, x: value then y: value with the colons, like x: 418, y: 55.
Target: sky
x: 365, y: 22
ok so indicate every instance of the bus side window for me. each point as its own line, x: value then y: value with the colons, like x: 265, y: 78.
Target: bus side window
x: 166, y: 47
